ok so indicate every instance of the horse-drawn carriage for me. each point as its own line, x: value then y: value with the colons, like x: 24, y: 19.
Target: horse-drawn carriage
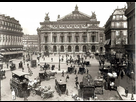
x: 110, y: 81
x: 19, y: 83
x: 46, y: 74
x: 87, y: 87
x: 81, y: 70
x: 86, y: 63
x: 33, y: 63
x: 36, y: 89
x: 70, y: 70
x: 20, y: 64
x: 44, y: 92
x: 45, y: 66
x: 61, y: 87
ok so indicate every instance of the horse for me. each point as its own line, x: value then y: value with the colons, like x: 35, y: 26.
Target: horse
x: 52, y: 74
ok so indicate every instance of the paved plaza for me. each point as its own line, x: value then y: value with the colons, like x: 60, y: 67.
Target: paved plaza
x: 93, y: 70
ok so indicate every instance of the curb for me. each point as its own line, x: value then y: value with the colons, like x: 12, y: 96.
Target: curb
x: 119, y: 95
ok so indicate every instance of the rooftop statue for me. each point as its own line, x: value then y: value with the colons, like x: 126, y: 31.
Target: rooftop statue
x: 93, y: 15
x: 47, y: 17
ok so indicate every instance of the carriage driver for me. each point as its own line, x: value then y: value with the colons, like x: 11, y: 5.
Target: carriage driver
x: 30, y: 84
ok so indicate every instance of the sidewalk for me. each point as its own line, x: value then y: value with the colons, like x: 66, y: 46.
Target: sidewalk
x: 121, y: 92
x: 122, y: 84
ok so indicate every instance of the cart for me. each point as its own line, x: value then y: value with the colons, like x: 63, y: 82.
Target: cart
x: 33, y: 63
x: 19, y: 83
x: 46, y: 75
x: 61, y: 87
x: 44, y: 92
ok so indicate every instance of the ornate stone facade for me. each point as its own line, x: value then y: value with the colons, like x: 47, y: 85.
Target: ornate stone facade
x: 73, y: 33
x: 10, y: 36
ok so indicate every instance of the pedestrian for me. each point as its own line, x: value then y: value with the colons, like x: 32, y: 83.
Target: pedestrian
x: 87, y: 71
x: 52, y: 59
x: 62, y: 73
x: 7, y: 65
x: 22, y: 69
x: 76, y: 78
x: 76, y: 82
x: 100, y: 62
x: 126, y: 91
x: 29, y: 70
x: 67, y: 77
x: 75, y: 71
x: 62, y: 59
x: 13, y: 95
x: 122, y: 73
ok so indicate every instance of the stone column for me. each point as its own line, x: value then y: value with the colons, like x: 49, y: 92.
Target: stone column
x: 58, y: 49
x: 98, y: 34
x: 80, y: 37
x: 65, y: 48
x: 51, y: 37
x: 73, y: 37
x: 65, y: 37
x: 88, y: 36
x: 58, y: 37
x: 42, y: 38
x: 80, y: 48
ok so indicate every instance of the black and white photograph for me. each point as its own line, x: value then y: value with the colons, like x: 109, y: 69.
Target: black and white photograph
x: 67, y: 51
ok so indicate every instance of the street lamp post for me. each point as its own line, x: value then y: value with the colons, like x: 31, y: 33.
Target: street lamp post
x: 1, y: 59
x: 59, y: 60
x: 132, y: 97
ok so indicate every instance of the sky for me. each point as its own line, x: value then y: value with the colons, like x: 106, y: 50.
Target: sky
x: 30, y: 14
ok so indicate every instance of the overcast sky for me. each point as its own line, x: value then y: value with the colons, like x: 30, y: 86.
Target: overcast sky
x: 30, y: 14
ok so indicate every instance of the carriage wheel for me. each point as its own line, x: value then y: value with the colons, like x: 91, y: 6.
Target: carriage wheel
x: 66, y: 92
x: 33, y: 92
x: 59, y: 92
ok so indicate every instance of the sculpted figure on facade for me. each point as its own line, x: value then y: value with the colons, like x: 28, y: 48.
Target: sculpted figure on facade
x: 93, y: 15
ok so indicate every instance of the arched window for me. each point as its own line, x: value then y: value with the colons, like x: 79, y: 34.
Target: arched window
x: 93, y: 48
x: 62, y: 48
x: 76, y: 48
x: 54, y: 49
x: 46, y: 48
x: 69, y: 48
x: 101, y: 49
x: 84, y: 48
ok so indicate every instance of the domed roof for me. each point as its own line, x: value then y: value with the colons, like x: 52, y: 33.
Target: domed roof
x: 75, y: 16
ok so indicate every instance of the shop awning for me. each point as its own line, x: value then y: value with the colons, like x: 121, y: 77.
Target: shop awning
x: 10, y: 53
